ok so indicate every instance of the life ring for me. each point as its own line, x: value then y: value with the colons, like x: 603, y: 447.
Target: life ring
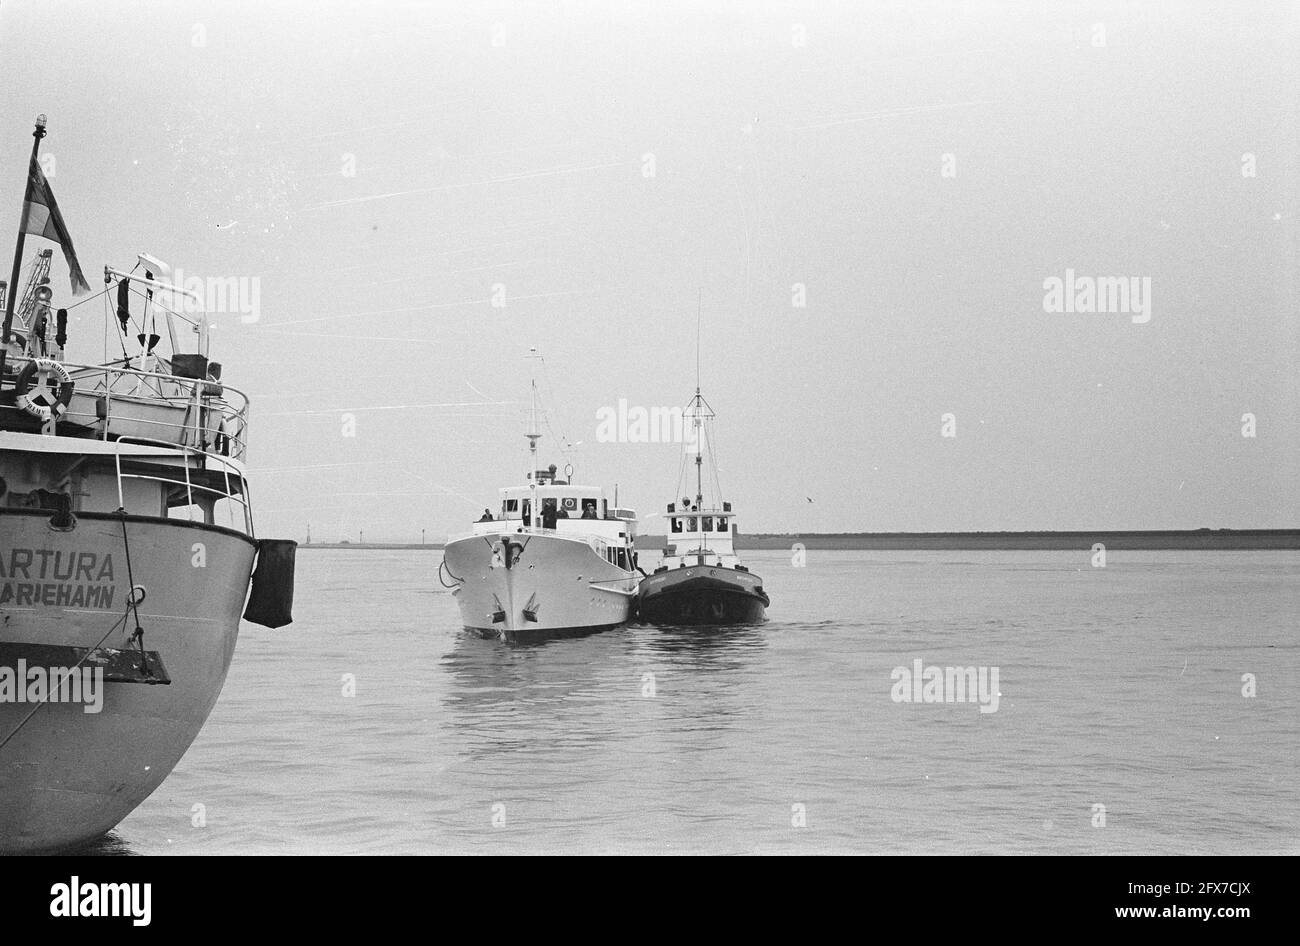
x: 43, y: 402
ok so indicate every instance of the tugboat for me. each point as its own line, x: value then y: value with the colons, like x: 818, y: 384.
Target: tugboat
x: 126, y: 549
x: 700, y: 580
x: 556, y: 559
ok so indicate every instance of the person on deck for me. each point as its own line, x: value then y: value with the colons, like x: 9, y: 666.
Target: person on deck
x: 486, y: 517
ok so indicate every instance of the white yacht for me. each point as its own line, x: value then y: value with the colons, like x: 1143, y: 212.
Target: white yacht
x: 554, y: 557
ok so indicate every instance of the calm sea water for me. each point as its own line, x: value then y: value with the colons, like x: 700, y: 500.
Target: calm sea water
x: 1121, y: 686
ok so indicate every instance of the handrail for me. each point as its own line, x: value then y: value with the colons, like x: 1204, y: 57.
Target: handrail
x: 189, y: 486
x: 235, y: 440
x: 189, y: 491
x: 244, y: 501
x: 121, y: 500
x: 229, y: 408
x: 226, y: 462
x: 74, y: 367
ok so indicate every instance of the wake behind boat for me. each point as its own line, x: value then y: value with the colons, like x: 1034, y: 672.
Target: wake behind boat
x: 126, y: 550
x: 555, y: 558
x: 700, y: 580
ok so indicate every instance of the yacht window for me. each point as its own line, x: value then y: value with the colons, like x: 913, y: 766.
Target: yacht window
x: 512, y: 505
x: 620, y: 558
x: 690, y: 524
x: 677, y: 524
x: 588, y: 508
x: 707, y: 525
x: 722, y: 523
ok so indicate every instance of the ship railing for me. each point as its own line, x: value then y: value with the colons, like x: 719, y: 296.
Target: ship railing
x: 213, y: 413
x: 713, y: 510
x: 235, y: 498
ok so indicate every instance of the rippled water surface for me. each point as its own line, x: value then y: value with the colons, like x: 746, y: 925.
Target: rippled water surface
x: 1120, y: 686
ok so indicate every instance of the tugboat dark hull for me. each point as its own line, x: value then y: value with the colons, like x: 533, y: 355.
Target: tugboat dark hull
x: 702, y: 595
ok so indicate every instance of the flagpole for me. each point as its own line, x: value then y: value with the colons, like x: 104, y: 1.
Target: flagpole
x: 38, y: 134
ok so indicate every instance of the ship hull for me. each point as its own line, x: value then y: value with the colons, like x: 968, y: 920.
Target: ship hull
x: 542, y: 586
x: 67, y: 776
x: 701, y: 595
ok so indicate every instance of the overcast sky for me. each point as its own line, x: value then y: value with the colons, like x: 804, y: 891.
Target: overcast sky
x: 912, y: 173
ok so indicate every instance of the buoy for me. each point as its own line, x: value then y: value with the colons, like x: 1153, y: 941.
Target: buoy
x: 43, y: 403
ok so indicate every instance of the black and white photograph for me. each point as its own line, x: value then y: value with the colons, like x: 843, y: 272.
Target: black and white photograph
x: 729, y: 427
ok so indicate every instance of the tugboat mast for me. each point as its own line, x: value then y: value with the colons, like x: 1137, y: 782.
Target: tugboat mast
x: 699, y: 484
x: 699, y: 456
x: 698, y: 415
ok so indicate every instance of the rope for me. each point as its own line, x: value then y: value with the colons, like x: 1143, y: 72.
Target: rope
x: 132, y: 605
x: 150, y: 300
x: 108, y: 321
x: 567, y: 447
x: 39, y: 706
x: 132, y: 601
x: 713, y: 468
x: 89, y: 298
x: 443, y: 565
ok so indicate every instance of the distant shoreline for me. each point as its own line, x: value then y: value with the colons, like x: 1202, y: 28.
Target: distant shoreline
x: 1167, y: 539
x: 1190, y: 539
x: 374, y: 546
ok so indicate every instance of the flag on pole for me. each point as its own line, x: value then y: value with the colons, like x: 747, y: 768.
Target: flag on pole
x: 41, y: 218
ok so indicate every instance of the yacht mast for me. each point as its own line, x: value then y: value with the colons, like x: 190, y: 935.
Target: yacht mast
x: 533, y: 436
